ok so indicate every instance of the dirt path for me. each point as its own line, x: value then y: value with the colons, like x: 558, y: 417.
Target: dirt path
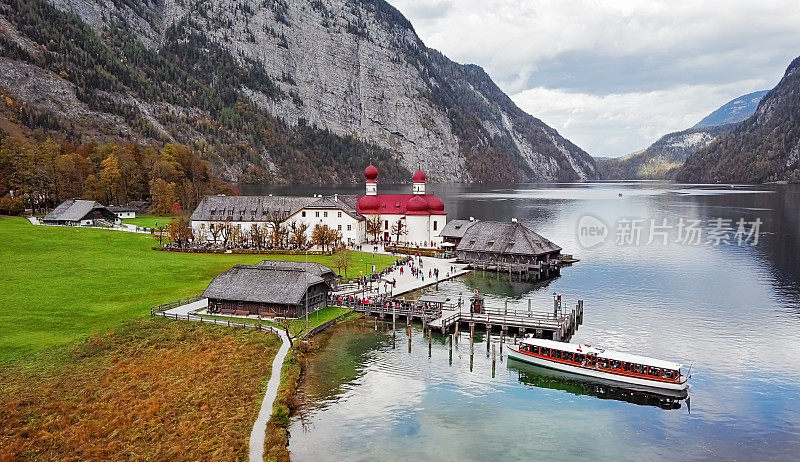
x: 258, y: 433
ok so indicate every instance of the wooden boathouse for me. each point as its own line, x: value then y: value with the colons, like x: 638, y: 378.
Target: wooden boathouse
x: 503, y: 247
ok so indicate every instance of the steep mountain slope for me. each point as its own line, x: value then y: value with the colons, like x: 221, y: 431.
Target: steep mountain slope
x: 733, y: 111
x: 765, y: 147
x: 662, y: 159
x: 305, y: 91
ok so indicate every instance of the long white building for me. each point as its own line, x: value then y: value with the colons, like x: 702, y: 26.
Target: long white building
x: 422, y: 215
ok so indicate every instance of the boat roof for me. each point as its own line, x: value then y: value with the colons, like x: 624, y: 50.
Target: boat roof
x: 603, y: 353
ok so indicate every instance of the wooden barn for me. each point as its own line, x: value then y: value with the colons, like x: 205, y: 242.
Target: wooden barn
x: 267, y: 290
x: 77, y: 212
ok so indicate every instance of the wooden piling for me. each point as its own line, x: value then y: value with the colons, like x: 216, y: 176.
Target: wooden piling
x: 451, y: 349
x: 430, y: 342
x: 493, y: 359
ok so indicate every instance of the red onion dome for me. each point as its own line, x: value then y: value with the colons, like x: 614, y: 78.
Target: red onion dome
x: 417, y: 204
x: 368, y: 203
x: 371, y: 172
x: 435, y: 204
x: 419, y: 177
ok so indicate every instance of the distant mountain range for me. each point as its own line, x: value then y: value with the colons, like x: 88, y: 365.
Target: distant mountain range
x: 663, y: 159
x: 302, y: 91
x: 763, y: 148
x: 733, y: 111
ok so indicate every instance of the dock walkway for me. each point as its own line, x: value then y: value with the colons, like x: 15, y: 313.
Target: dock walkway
x: 560, y: 325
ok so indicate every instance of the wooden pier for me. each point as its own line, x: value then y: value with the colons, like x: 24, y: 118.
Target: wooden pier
x: 436, y: 313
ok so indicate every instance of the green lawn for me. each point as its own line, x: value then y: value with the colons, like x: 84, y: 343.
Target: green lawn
x: 148, y: 221
x: 60, y: 284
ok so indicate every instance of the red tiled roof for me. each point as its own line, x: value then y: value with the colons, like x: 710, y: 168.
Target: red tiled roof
x: 397, y: 204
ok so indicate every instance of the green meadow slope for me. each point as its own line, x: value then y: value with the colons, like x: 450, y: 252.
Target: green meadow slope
x: 59, y: 285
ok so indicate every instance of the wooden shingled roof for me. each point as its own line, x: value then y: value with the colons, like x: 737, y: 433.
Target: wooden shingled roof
x: 73, y: 210
x: 260, y: 284
x: 504, y: 238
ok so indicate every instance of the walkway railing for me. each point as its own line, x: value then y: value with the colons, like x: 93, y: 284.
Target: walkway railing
x: 159, y: 310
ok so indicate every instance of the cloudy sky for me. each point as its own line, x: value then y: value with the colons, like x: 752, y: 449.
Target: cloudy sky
x: 613, y: 76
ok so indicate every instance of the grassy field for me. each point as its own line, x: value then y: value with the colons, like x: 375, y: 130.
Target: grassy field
x: 61, y: 284
x: 148, y: 221
x: 152, y: 389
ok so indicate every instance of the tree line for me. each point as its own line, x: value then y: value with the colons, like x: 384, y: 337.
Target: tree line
x: 40, y: 174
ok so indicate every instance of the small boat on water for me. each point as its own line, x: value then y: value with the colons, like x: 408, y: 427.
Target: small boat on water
x: 600, y: 363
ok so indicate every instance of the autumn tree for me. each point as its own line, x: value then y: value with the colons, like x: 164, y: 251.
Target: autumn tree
x: 258, y: 235
x: 323, y: 236
x: 399, y: 228
x: 179, y: 231
x: 110, y: 178
x: 373, y: 226
x: 277, y: 231
x: 163, y: 196
x: 342, y: 260
x: 297, y: 233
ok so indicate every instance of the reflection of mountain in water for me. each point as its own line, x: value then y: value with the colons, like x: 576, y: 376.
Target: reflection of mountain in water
x: 579, y: 385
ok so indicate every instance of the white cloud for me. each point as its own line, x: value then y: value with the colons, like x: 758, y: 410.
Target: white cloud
x: 649, y: 65
x: 618, y: 123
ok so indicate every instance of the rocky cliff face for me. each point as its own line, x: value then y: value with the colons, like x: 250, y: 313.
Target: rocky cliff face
x: 262, y: 85
x: 763, y: 148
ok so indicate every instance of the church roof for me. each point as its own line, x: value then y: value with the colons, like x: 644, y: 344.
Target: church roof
x: 398, y: 204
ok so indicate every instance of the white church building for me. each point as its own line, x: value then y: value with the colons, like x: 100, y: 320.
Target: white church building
x: 422, y: 215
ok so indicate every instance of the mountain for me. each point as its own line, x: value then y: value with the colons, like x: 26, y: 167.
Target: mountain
x: 304, y: 91
x: 763, y: 148
x: 662, y: 159
x: 733, y: 111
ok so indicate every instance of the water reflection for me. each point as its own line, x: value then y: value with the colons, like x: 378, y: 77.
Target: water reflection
x: 543, y: 377
x: 733, y: 312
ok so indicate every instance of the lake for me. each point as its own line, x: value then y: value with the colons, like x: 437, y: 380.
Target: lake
x: 693, y: 294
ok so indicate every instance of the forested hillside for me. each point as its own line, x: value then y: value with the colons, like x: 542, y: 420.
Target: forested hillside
x: 763, y: 148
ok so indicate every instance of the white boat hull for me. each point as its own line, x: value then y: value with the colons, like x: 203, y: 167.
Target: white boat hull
x: 513, y: 352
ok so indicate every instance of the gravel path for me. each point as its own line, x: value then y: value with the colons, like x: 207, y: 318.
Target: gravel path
x: 259, y: 431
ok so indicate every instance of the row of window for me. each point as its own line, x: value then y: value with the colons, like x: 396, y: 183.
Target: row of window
x: 264, y: 213
x: 239, y: 226
x: 601, y: 363
x: 324, y: 214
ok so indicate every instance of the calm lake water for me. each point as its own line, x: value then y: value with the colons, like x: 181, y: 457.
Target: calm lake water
x: 731, y: 311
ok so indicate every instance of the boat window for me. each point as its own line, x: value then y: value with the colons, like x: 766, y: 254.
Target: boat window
x: 655, y: 372
x: 567, y: 356
x: 602, y: 362
x: 639, y: 369
x: 545, y: 351
x: 555, y: 354
x: 536, y: 349
x: 579, y: 358
x: 668, y: 374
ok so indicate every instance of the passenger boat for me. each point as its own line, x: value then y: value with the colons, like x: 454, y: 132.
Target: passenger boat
x: 600, y: 363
